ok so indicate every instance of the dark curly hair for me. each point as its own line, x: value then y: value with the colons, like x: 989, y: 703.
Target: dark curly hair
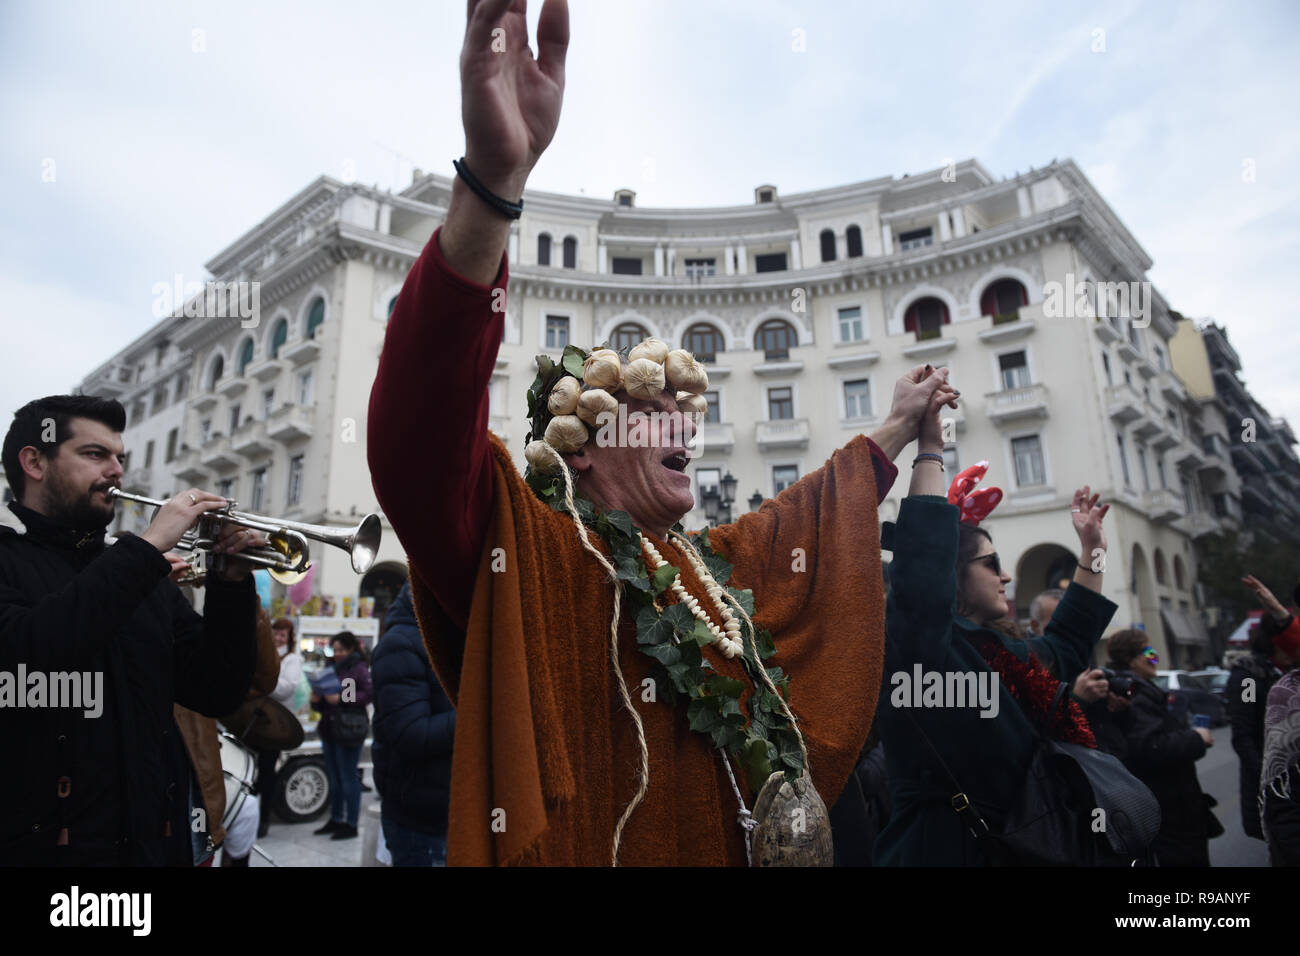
x: 1123, y: 646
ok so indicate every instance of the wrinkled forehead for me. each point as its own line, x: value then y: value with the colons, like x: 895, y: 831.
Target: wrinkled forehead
x: 87, y: 431
x: 665, y: 401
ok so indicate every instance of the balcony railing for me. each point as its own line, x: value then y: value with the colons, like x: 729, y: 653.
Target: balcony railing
x: 1171, y: 387
x: 1124, y: 404
x: 1163, y: 505
x: 289, y: 422
x: 1029, y: 401
x: 188, y: 467
x: 716, y: 438
x: 782, y: 433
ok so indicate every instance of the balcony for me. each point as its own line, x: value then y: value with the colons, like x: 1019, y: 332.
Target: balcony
x: 1123, y: 404
x: 1146, y: 369
x: 717, y: 438
x: 217, y: 453
x: 786, y: 366
x: 1246, y: 459
x: 250, y: 439
x: 1106, y: 332
x: 289, y: 422
x: 1015, y: 404
x: 1162, y: 505
x: 1128, y: 352
x: 139, y: 480
x: 782, y: 433
x: 301, y: 352
x: 928, y: 348
x: 204, y: 401
x: 1197, y: 525
x: 1166, y: 438
x: 187, y: 467
x: 847, y: 360
x: 1188, y: 455
x: 1007, y: 331
x: 1171, y: 387
x: 1254, y: 498
x: 266, y: 370
x: 232, y: 386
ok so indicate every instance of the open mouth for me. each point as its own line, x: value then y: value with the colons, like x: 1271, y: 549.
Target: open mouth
x: 677, y: 461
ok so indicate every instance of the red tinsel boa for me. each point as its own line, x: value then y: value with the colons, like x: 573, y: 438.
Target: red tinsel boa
x: 1034, y: 689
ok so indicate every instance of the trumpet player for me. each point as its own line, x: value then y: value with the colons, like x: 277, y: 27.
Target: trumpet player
x: 96, y: 644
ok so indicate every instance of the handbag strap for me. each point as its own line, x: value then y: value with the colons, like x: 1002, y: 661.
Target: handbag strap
x: 959, y: 801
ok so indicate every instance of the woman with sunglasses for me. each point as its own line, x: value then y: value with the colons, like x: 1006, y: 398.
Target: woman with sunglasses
x: 1162, y: 752
x: 947, y: 599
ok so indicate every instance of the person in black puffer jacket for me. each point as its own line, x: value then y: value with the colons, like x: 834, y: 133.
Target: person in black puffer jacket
x: 414, y: 726
x: 1162, y: 751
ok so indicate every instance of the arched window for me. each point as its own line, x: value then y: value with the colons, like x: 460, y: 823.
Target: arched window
x: 570, y: 252
x: 1003, y: 297
x: 853, y: 239
x: 215, y: 372
x: 279, y: 335
x: 544, y: 249
x: 926, y: 317
x: 1180, y: 577
x: 1162, y: 577
x: 828, y: 245
x: 627, y: 335
x: 315, y: 317
x: 392, y: 304
x: 775, y: 337
x: 704, y: 342
x: 245, y: 355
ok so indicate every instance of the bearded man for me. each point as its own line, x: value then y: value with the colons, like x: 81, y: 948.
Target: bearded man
x: 623, y: 692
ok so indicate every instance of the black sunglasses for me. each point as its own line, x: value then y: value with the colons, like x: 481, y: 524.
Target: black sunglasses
x: 996, y: 564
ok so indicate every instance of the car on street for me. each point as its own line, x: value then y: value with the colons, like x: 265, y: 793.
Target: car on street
x: 1189, y: 694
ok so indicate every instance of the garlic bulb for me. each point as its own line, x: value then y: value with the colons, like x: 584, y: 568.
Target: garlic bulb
x: 564, y: 396
x: 692, y: 404
x: 643, y: 378
x: 603, y: 369
x: 652, y: 349
x: 684, y: 373
x: 566, y: 433
x: 541, y: 459
x: 593, y: 403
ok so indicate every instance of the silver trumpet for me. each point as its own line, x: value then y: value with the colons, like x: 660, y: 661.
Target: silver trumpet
x: 287, y: 552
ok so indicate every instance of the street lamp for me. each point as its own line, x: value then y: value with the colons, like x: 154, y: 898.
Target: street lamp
x: 718, y: 499
x: 755, y: 500
x: 728, y: 488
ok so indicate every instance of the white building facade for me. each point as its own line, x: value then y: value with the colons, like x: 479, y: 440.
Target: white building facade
x: 806, y: 309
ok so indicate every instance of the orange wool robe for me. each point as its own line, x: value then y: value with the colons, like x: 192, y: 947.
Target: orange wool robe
x: 545, y: 759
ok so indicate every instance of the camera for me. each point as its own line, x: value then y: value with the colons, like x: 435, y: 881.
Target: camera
x: 1121, y: 682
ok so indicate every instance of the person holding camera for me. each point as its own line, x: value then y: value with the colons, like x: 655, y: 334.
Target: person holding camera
x: 1161, y: 751
x: 343, y: 727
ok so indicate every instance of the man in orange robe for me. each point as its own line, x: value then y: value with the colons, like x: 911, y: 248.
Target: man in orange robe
x: 515, y: 612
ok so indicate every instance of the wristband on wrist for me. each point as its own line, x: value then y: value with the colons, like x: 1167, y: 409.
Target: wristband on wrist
x: 511, y: 210
x: 929, y: 456
x: 1088, y: 569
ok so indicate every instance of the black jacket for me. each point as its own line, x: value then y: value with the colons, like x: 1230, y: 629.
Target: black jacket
x: 1247, y: 719
x: 1162, y: 752
x: 415, y: 725
x: 70, y: 605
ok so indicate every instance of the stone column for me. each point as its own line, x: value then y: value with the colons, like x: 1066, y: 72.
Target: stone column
x: 945, y: 230
x: 886, y: 239
x: 796, y: 257
x: 727, y: 264
x: 602, y: 258
x: 1022, y: 200
x: 958, y: 222
x: 742, y: 259
x: 513, y: 246
x: 659, y: 260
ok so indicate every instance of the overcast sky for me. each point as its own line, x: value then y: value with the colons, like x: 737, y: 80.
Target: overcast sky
x: 162, y: 155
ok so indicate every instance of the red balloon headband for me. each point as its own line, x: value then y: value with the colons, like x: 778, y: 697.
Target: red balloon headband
x: 974, y: 505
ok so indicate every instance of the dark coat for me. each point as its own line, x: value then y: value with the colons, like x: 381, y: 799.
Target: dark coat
x: 351, y: 668
x: 861, y: 811
x: 69, y: 604
x: 1247, y: 720
x: 988, y: 756
x: 1162, y: 753
x: 415, y: 726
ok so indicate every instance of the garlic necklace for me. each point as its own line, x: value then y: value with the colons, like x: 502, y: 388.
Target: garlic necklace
x: 726, y: 637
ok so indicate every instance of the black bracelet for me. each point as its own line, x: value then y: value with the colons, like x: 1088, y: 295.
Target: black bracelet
x: 928, y: 456
x: 1088, y: 569
x: 511, y: 210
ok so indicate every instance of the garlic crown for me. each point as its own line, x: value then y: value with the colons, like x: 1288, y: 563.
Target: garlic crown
x: 643, y: 378
x: 566, y: 433
x: 652, y: 349
x: 603, y: 369
x: 540, y: 458
x: 564, y: 396
x: 684, y: 373
x: 593, y: 403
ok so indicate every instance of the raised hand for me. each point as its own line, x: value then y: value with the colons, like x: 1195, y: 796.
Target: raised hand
x: 911, y: 403
x: 1086, y: 516
x: 510, y: 102
x: 1265, y: 596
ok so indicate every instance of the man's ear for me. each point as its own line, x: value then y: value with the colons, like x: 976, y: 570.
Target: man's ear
x: 33, y: 462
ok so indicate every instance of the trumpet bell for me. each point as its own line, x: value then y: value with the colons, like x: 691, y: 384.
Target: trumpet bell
x: 365, y: 543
